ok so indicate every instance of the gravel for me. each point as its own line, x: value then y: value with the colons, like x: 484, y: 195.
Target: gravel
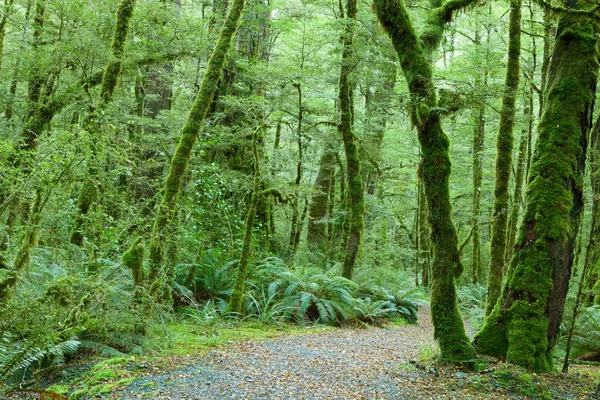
x: 341, y: 364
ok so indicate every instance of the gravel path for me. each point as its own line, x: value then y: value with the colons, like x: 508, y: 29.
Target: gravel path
x: 341, y: 364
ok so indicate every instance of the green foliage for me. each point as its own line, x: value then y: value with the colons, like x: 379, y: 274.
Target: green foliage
x: 586, y: 335
x: 471, y: 300
x: 212, y: 278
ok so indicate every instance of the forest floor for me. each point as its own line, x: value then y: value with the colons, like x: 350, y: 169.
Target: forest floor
x: 393, y: 362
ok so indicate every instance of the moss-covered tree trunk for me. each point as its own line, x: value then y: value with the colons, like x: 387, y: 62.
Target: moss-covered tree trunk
x: 110, y: 77
x: 356, y: 204
x: 424, y: 235
x: 478, y: 143
x: 319, y: 205
x: 236, y: 303
x: 414, y: 55
x: 592, y: 252
x: 295, y: 223
x: 8, y: 7
x: 517, y: 203
x: 525, y: 320
x: 504, y: 148
x: 167, y: 209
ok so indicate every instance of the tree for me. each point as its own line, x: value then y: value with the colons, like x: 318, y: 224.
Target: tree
x: 504, y: 158
x: 167, y: 209
x: 413, y: 53
x: 355, y: 200
x: 524, y: 322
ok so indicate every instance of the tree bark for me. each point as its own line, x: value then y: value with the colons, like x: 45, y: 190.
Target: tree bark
x: 356, y: 204
x: 504, y: 148
x: 5, y: 14
x: 414, y: 55
x: 236, y: 303
x: 524, y: 322
x: 592, y: 252
x: 319, y: 205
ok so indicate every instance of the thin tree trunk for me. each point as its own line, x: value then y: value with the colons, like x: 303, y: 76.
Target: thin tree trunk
x: 478, y: 143
x: 519, y: 178
x: 167, y: 209
x: 236, y: 303
x: 414, y: 55
x: 504, y: 148
x: 592, y: 252
x: 319, y: 205
x: 5, y: 14
x: 299, y: 172
x: 524, y: 322
x: 424, y: 236
x: 356, y: 204
x: 112, y: 71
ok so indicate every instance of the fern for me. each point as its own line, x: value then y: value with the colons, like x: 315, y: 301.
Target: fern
x: 586, y: 335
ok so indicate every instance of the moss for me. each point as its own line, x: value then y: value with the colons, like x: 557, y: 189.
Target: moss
x: 8, y: 278
x: 134, y: 260
x: 504, y: 147
x: 236, y: 302
x: 414, y: 60
x: 528, y: 313
x: 113, y: 68
x: 317, y: 227
x: 355, y: 200
x: 87, y: 197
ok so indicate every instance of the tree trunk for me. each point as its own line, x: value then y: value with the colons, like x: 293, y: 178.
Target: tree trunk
x: 317, y: 224
x: 478, y: 143
x: 112, y: 71
x: 592, y: 253
x: 524, y: 322
x: 356, y: 204
x: 5, y: 14
x: 299, y: 173
x: 167, y: 209
x: 236, y: 303
x: 413, y: 53
x: 515, y: 211
x: 504, y: 148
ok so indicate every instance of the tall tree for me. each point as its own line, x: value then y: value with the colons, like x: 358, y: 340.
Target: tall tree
x: 504, y: 147
x: 355, y: 200
x: 110, y: 78
x: 525, y: 320
x: 167, y: 209
x: 414, y: 55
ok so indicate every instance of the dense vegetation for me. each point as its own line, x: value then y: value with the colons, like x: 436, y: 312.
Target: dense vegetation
x: 207, y: 162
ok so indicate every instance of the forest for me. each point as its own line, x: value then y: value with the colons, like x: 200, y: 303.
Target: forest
x: 183, y: 180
